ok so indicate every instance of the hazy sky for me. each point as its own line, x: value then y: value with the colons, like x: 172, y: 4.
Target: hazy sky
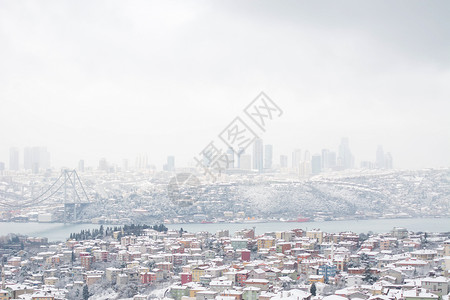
x: 92, y: 79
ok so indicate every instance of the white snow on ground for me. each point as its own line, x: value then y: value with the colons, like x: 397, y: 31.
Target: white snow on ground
x: 106, y: 295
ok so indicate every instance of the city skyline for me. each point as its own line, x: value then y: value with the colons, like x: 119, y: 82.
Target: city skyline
x: 98, y: 96
x: 260, y: 156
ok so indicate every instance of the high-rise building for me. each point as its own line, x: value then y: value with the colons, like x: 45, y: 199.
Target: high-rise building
x: 258, y: 155
x: 296, y: 159
x: 230, y: 158
x: 307, y: 156
x: 268, y: 156
x: 316, y: 164
x: 389, y: 164
x: 325, y: 159
x: 345, y: 158
x: 332, y: 160
x: 305, y: 166
x: 36, y: 158
x: 81, y: 165
x: 239, y: 154
x: 2, y: 167
x: 283, y: 161
x: 379, y: 161
x: 245, y: 161
x: 27, y: 158
x: 44, y: 158
x: 14, y: 159
x: 141, y: 161
x: 103, y: 164
x: 170, y: 166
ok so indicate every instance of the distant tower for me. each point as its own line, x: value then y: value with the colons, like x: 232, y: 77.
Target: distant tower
x: 379, y: 161
x: 332, y: 160
x: 230, y: 158
x: 305, y: 165
x: 81, y: 165
x: 103, y: 165
x: 268, y: 157
x: 258, y: 155
x: 296, y: 159
x: 14, y: 159
x: 170, y: 166
x: 307, y: 156
x: 36, y: 158
x: 345, y: 158
x: 325, y: 159
x: 239, y: 154
x: 316, y: 164
x: 388, y: 161
x: 27, y: 158
x: 283, y: 161
x: 246, y: 162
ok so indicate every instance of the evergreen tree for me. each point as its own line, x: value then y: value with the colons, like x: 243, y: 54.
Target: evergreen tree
x: 85, y: 293
x: 313, y: 289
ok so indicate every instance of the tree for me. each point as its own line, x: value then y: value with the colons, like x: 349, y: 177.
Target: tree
x: 313, y: 289
x: 85, y: 293
x: 369, y: 277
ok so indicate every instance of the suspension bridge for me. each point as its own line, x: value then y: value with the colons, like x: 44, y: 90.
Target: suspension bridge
x: 67, y: 189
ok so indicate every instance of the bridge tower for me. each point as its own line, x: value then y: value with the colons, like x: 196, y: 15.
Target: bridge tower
x: 72, y: 199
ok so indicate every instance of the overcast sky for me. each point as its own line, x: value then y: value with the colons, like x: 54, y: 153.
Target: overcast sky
x: 114, y: 79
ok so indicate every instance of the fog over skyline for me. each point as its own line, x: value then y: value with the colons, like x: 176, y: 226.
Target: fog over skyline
x: 113, y: 79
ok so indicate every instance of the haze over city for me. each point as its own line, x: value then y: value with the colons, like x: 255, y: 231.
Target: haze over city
x: 225, y: 150
x: 108, y: 79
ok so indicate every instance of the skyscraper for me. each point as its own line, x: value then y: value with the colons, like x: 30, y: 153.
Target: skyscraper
x: 141, y: 161
x: 379, y: 160
x: 36, y: 158
x: 239, y: 154
x: 230, y: 158
x: 307, y: 156
x: 316, y: 164
x: 296, y: 159
x: 103, y: 164
x: 283, y: 161
x: 268, y: 157
x: 245, y: 162
x: 170, y: 166
x: 27, y: 158
x: 305, y: 166
x: 258, y: 155
x: 81, y: 165
x: 388, y: 162
x: 345, y: 158
x: 332, y: 160
x: 325, y: 159
x: 14, y: 159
